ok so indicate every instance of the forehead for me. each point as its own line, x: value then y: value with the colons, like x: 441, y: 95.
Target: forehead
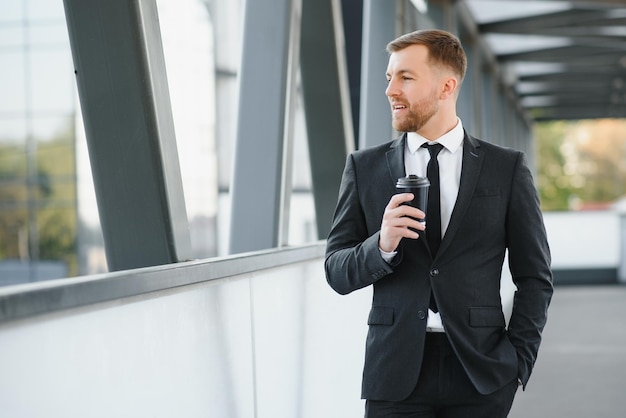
x: 412, y: 59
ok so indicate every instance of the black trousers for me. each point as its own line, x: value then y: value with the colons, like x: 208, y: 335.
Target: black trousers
x: 444, y: 390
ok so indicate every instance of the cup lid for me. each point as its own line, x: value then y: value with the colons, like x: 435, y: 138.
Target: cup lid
x: 412, y: 180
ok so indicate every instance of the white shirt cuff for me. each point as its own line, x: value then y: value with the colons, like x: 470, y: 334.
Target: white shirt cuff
x: 387, y: 256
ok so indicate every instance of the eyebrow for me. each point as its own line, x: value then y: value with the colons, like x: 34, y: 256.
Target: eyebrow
x: 403, y: 71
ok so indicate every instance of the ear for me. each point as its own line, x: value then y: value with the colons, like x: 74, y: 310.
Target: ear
x: 448, y: 87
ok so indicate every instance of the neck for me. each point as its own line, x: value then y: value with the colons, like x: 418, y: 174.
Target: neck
x: 436, y: 128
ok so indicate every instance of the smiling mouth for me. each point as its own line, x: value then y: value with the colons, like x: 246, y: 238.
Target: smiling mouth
x: 397, y: 107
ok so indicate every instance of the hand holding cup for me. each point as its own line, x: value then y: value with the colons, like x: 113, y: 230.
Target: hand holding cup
x: 405, y: 213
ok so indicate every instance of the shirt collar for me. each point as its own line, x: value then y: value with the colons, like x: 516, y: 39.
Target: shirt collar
x: 451, y: 140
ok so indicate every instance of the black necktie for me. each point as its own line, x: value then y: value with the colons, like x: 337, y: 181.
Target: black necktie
x: 433, y: 210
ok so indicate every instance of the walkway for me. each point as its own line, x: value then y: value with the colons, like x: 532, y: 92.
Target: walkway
x: 581, y: 369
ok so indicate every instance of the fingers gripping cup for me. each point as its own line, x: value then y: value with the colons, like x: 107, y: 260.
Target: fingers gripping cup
x: 419, y: 187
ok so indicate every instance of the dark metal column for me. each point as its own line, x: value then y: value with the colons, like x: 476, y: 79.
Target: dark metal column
x: 326, y: 103
x: 352, y: 13
x: 379, y: 28
x: 264, y: 90
x: 466, y: 110
x: 122, y: 84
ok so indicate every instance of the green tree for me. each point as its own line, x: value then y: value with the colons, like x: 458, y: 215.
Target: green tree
x: 555, y: 187
x: 53, y: 200
x: 56, y: 213
x: 13, y: 197
x: 600, y: 164
x: 581, y: 164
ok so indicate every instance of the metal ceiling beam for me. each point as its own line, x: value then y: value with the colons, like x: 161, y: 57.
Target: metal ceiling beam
x: 572, y: 53
x: 532, y: 24
x: 580, y: 78
x: 587, y: 91
x: 590, y: 73
x: 579, y: 101
x: 581, y: 3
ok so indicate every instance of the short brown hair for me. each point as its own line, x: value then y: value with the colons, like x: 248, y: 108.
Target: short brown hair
x: 443, y: 48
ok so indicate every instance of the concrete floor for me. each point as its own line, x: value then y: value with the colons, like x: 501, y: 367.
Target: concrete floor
x: 581, y: 368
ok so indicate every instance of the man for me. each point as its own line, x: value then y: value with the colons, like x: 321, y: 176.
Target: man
x: 437, y: 344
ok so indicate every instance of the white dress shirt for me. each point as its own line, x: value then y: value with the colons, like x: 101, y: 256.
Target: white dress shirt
x: 450, y: 161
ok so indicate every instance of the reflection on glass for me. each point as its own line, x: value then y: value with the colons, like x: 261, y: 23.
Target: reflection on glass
x: 38, y: 215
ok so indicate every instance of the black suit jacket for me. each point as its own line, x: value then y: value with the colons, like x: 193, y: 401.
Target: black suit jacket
x: 497, y: 209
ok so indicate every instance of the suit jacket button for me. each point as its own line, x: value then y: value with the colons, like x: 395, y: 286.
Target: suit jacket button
x: 421, y: 314
x: 434, y: 273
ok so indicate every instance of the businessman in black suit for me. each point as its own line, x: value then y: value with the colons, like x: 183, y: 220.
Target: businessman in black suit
x: 438, y: 344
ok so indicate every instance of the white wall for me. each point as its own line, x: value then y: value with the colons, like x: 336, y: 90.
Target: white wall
x: 584, y: 239
x: 276, y: 341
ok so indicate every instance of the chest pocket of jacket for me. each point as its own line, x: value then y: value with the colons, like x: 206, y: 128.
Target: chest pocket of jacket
x: 486, y: 317
x: 487, y: 207
x: 485, y: 195
x: 486, y: 191
x: 380, y: 315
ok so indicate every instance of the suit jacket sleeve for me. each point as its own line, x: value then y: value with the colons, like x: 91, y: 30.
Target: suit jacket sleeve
x: 529, y: 263
x: 353, y: 260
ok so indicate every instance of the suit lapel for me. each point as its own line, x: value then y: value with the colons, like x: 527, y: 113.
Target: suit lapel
x: 395, y: 159
x: 472, y: 163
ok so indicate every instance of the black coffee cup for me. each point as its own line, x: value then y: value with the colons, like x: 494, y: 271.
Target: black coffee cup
x: 419, y: 187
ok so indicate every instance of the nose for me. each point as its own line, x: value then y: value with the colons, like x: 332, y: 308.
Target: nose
x: 391, y: 89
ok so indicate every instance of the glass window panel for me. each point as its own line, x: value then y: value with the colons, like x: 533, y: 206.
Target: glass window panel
x: 301, y: 179
x: 92, y: 257
x: 12, y: 130
x: 226, y: 126
x: 227, y: 15
x: 45, y: 10
x: 12, y: 81
x: 11, y: 11
x: 11, y: 36
x: 187, y: 36
x: 56, y: 232
x: 52, y: 81
x: 39, y: 226
x: 12, y: 163
x: 51, y: 128
x: 49, y: 33
x: 13, y: 198
x: 227, y: 18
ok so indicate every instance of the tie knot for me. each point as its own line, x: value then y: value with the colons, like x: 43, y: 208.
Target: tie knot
x: 433, y: 149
